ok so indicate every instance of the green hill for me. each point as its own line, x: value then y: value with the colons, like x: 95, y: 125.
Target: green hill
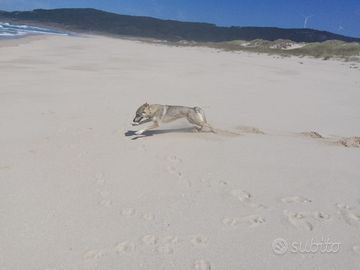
x: 100, y: 22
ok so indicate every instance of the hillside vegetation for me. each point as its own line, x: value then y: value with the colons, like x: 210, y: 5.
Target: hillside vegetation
x: 285, y: 48
x: 271, y: 40
x: 96, y: 21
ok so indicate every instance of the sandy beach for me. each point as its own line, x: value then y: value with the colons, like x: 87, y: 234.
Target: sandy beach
x: 79, y: 190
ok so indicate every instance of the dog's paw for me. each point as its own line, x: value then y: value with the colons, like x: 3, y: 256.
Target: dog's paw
x: 134, y: 124
x: 138, y: 132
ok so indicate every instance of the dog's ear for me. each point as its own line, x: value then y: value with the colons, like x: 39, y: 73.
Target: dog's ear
x: 146, y: 104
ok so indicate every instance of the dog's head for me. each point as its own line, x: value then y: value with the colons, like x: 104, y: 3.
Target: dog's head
x: 141, y: 113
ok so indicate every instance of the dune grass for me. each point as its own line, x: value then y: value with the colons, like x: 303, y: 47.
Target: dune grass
x: 332, y: 49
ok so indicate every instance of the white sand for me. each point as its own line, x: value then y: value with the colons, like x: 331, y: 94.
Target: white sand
x: 76, y: 193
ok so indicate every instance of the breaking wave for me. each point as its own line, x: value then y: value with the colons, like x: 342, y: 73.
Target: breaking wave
x: 8, y: 30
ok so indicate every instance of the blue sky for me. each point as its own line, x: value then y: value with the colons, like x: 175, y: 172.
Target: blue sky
x: 327, y: 15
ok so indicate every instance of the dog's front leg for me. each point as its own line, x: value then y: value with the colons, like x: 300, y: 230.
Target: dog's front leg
x: 155, y: 125
x: 142, y: 122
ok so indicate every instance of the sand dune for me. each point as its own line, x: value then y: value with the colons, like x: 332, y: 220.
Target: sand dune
x: 79, y: 190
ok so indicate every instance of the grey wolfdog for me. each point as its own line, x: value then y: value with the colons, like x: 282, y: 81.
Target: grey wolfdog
x: 166, y: 113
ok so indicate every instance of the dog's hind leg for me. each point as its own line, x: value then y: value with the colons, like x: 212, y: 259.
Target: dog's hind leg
x: 208, y: 126
x: 198, y: 118
x: 200, y: 122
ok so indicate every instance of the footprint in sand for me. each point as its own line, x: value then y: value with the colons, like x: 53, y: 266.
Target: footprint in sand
x: 214, y: 182
x: 83, y: 166
x: 199, y: 241
x: 150, y: 239
x: 184, y: 180
x: 220, y: 182
x: 106, y: 203
x: 168, y: 240
x: 148, y: 216
x: 252, y: 221
x: 174, y: 159
x: 94, y: 254
x: 125, y: 246
x: 231, y: 221
x: 321, y: 216
x: 171, y: 239
x: 295, y: 199
x: 343, y: 206
x: 100, y: 178
x: 349, y: 216
x: 173, y: 171
x: 166, y: 249
x: 299, y: 220
x: 202, y: 265
x: 128, y: 212
x: 245, y: 198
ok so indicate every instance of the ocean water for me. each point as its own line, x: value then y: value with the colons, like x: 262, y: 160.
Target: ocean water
x: 10, y: 31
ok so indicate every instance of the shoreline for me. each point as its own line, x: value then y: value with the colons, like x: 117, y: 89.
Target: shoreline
x: 11, y: 31
x: 15, y: 41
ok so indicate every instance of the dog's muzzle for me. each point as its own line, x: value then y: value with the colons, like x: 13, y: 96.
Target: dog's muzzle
x: 137, y: 120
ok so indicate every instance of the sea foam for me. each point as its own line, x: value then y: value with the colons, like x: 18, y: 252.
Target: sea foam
x: 8, y: 30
